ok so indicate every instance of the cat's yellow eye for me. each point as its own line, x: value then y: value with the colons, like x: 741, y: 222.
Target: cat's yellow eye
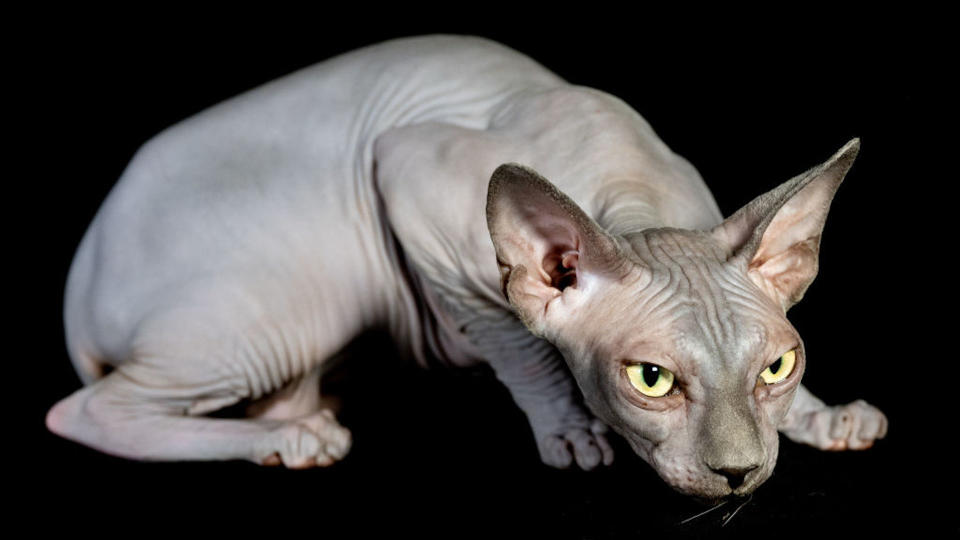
x: 780, y: 369
x: 650, y: 379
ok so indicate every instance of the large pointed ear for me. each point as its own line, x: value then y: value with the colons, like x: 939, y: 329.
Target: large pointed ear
x: 776, y: 237
x: 545, y: 243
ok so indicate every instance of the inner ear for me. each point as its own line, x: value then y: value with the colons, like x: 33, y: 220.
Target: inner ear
x: 777, y: 235
x: 535, y: 226
x: 562, y: 266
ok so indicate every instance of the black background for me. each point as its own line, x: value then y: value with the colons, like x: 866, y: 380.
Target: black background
x: 445, y: 452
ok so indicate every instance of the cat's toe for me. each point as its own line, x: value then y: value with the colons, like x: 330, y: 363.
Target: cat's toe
x: 555, y: 452
x: 585, y: 446
x: 317, y: 440
x: 586, y: 452
x: 858, y: 426
x: 599, y: 430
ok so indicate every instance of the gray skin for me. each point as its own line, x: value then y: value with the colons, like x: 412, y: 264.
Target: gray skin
x: 707, y: 305
x: 245, y: 246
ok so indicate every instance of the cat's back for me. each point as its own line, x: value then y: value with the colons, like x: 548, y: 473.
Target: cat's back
x: 276, y: 178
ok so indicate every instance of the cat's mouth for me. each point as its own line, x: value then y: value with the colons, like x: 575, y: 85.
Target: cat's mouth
x: 712, y: 489
x: 715, y: 500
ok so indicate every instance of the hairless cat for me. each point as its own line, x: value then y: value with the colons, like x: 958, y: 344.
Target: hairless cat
x: 245, y: 246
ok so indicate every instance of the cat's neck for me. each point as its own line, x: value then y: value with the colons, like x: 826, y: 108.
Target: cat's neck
x: 625, y: 206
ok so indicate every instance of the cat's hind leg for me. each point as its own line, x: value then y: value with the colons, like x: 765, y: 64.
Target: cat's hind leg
x: 123, y: 417
x: 854, y: 426
x: 185, y: 364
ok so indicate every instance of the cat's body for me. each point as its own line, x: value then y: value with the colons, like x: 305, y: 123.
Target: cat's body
x: 245, y: 246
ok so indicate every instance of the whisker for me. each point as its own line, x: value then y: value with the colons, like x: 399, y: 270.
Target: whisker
x: 744, y: 503
x: 705, y: 512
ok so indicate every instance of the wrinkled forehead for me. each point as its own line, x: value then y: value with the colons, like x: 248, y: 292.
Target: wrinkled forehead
x: 668, y: 247
x: 691, y: 327
x: 694, y: 303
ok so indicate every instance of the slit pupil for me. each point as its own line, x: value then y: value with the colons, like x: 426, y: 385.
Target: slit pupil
x: 651, y: 374
x: 775, y: 367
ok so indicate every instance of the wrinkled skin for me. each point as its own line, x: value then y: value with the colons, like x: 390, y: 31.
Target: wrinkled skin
x: 244, y: 247
x: 709, y: 306
x: 712, y: 328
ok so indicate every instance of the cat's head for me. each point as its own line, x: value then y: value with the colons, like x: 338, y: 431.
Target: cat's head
x: 678, y: 339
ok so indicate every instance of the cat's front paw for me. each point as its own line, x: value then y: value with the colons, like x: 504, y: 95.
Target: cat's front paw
x: 584, y: 444
x: 854, y: 426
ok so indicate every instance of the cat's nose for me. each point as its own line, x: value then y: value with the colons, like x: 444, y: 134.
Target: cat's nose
x: 734, y: 475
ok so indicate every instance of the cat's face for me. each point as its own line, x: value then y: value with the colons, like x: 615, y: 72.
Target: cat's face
x: 678, y: 339
x: 687, y: 359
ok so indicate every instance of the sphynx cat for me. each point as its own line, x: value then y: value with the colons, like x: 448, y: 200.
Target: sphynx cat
x: 245, y: 246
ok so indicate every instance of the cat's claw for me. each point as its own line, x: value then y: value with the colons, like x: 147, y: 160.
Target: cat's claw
x: 854, y: 426
x: 586, y: 445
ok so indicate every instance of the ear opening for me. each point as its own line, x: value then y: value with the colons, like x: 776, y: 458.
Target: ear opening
x: 562, y: 268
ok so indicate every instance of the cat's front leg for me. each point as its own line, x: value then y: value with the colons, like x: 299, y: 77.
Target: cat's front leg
x: 854, y: 426
x: 541, y: 385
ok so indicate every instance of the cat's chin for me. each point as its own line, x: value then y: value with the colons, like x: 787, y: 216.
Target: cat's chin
x: 708, y: 498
